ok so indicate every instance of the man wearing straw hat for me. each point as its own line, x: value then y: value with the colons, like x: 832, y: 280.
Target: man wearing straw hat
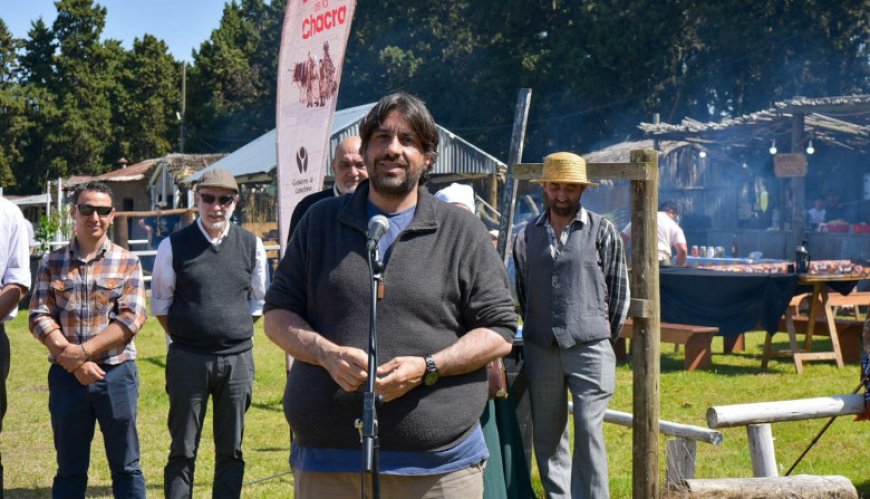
x: 572, y: 285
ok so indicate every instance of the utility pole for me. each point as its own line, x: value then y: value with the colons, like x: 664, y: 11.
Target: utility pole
x: 183, y: 106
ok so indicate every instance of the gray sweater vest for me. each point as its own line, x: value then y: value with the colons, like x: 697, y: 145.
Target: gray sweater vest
x: 209, y: 311
x: 567, y: 296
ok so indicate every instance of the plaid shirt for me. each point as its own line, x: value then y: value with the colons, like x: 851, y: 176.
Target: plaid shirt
x: 611, y: 258
x: 81, y: 298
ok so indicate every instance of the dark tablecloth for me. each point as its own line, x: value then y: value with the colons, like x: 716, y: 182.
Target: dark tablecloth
x: 735, y: 302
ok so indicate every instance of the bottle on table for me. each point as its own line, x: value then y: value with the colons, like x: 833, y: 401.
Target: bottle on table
x: 802, y: 258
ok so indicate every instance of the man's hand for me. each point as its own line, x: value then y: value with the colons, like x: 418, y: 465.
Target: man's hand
x: 72, y: 357
x: 398, y: 376
x: 348, y: 367
x: 88, y: 373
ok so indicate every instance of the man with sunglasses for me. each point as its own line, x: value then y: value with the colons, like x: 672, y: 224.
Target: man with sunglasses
x: 349, y: 170
x: 87, y: 304
x: 207, y: 291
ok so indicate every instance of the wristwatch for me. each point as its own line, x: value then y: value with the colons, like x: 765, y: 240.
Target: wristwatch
x: 431, y: 376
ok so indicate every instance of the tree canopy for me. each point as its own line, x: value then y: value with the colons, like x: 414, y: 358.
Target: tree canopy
x: 74, y: 103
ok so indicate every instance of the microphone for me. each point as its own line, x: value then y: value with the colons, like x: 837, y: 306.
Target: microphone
x: 378, y: 226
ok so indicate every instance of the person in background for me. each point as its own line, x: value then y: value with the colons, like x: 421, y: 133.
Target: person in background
x: 816, y: 214
x: 572, y: 285
x: 349, y: 170
x: 670, y: 234
x: 444, y: 314
x: 87, y: 305
x: 835, y: 210
x: 14, y: 283
x: 460, y: 195
x: 207, y: 291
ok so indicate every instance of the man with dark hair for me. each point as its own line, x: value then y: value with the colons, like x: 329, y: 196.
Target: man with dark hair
x: 349, y: 170
x: 88, y: 303
x: 670, y: 234
x: 14, y: 282
x: 445, y: 312
x: 572, y: 285
x: 207, y: 291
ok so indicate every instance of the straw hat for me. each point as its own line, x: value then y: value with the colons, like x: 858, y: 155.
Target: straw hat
x: 564, y: 168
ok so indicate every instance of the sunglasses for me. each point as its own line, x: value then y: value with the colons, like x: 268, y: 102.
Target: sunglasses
x: 223, y: 200
x: 88, y: 210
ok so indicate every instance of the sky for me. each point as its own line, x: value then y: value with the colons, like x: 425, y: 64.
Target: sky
x: 182, y: 24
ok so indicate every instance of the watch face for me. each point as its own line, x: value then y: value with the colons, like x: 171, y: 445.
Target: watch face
x: 430, y: 378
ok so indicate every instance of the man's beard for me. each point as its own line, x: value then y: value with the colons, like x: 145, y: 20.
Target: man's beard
x: 564, y: 211
x: 396, y: 186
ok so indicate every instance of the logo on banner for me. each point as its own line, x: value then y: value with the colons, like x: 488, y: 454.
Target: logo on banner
x: 302, y: 160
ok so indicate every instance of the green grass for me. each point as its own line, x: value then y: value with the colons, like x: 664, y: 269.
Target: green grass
x: 29, y: 458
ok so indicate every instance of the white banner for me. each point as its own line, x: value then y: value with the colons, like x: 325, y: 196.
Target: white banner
x: 313, y: 43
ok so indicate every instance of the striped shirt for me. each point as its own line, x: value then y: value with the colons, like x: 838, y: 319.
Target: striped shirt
x: 81, y: 298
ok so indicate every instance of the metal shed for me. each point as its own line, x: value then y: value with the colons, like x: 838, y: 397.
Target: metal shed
x: 458, y: 159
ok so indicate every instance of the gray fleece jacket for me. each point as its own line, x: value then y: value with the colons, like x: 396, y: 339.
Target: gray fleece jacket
x: 443, y: 279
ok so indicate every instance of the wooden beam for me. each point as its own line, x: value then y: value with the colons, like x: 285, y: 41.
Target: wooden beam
x: 156, y: 213
x: 803, y: 486
x: 602, y: 171
x: 680, y: 430
x: 726, y: 416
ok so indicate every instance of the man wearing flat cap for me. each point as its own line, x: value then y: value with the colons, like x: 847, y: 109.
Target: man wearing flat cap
x: 572, y: 285
x: 207, y: 290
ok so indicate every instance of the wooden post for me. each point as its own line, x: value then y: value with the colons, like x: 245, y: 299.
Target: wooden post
x: 681, y: 461
x: 646, y: 347
x: 761, y: 451
x: 493, y: 189
x: 797, y: 186
x: 509, y: 196
x: 121, y: 233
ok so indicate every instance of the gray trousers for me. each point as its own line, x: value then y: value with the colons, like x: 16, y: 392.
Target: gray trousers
x: 190, y: 379
x: 588, y: 370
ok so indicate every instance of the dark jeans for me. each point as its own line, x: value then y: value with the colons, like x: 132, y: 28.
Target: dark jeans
x: 75, y: 408
x: 4, y: 373
x: 190, y: 379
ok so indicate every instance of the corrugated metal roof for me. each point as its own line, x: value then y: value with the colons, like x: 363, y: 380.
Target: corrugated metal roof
x: 257, y: 158
x: 35, y: 199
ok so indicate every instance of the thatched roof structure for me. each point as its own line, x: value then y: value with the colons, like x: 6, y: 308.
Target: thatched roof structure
x: 838, y: 121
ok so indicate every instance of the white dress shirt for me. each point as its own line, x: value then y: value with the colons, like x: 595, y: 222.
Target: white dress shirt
x: 163, y: 275
x: 14, y: 248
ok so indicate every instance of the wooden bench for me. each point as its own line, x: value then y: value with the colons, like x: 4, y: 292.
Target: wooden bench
x: 848, y: 330
x: 856, y: 299
x: 695, y: 338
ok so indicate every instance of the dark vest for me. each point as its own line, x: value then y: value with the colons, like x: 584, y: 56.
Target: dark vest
x: 566, y: 297
x: 209, y: 311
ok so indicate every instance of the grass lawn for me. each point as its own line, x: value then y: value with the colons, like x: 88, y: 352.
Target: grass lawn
x: 29, y: 458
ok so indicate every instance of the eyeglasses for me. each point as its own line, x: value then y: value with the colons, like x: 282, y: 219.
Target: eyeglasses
x: 88, y: 210
x: 210, y: 198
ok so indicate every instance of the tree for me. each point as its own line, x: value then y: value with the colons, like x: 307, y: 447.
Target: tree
x: 234, y: 77
x: 11, y: 108
x: 144, y: 121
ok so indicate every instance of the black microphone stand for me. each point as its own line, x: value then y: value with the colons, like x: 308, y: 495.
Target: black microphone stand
x: 368, y: 427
